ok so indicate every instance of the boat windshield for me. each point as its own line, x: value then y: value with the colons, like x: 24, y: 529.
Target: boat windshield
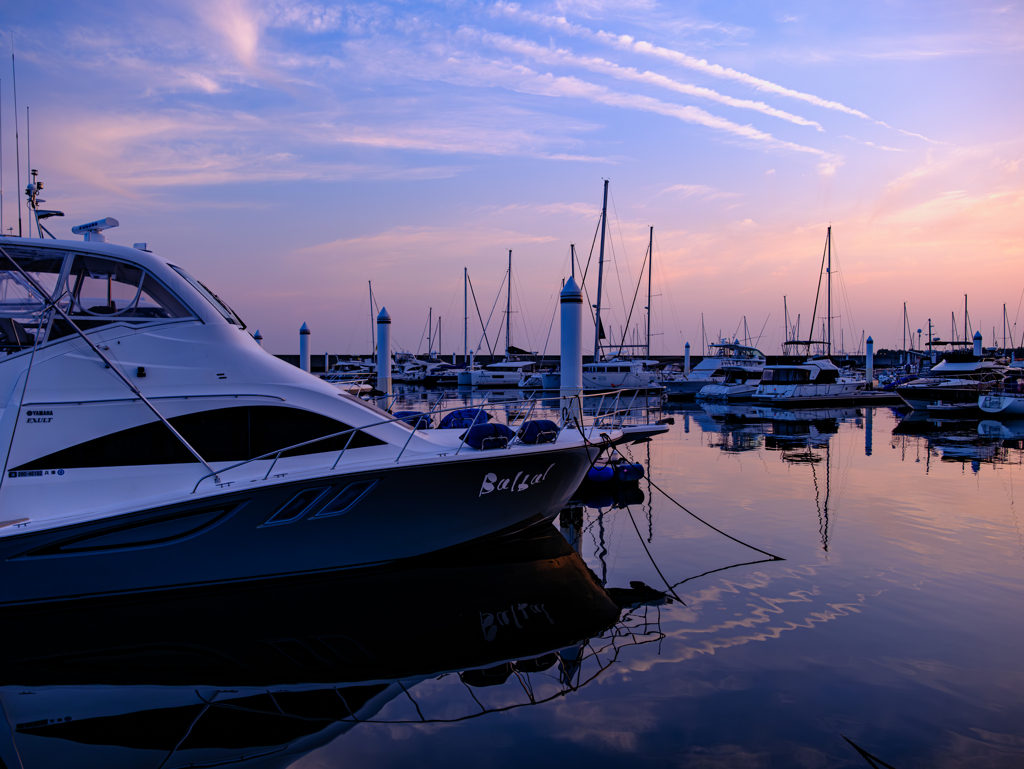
x: 95, y: 292
x: 219, y: 304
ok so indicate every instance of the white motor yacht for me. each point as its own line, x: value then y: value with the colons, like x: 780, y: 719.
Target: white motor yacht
x: 618, y: 374
x: 739, y: 384
x: 712, y: 369
x: 506, y: 373
x: 958, y: 381
x: 150, y: 442
x: 815, y: 381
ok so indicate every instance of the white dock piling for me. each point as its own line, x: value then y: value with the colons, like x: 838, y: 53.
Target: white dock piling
x: 384, y: 353
x: 977, y: 344
x: 571, y: 300
x: 304, y: 348
x: 869, y: 364
x: 258, y: 337
x: 686, y: 360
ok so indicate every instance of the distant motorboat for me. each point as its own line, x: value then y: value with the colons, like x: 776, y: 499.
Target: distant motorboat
x: 815, y: 381
x: 959, y: 379
x: 728, y: 356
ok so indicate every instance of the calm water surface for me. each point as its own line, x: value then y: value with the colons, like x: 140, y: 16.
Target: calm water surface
x: 890, y: 621
x: 894, y: 620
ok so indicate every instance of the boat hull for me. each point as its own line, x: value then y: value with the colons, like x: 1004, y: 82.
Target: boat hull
x: 406, y: 512
x: 921, y: 398
x: 1004, y: 405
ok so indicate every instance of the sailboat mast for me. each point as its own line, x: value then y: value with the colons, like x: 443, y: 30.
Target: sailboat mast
x: 508, y: 307
x: 465, y: 315
x: 600, y: 278
x: 650, y: 277
x: 430, y: 331
x: 373, y: 341
x: 829, y: 236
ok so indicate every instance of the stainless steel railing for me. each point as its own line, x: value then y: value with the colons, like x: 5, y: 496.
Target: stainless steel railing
x: 572, y: 414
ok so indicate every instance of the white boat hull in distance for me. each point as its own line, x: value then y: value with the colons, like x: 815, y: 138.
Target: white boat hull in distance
x: 727, y: 392
x: 811, y: 393
x: 1003, y: 404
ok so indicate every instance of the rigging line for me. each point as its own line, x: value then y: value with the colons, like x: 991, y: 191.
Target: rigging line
x: 422, y: 337
x: 653, y: 563
x: 635, y: 294
x: 522, y: 311
x: 625, y: 255
x: 188, y: 731
x: 40, y: 331
x: 481, y: 317
x: 722, y: 568
x: 618, y: 278
x: 715, y: 528
x: 821, y: 271
x: 874, y: 761
x: 414, y: 703
x: 758, y: 342
x: 583, y: 282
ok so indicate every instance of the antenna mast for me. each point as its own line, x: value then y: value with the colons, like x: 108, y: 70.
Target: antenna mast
x: 17, y: 150
x: 31, y: 187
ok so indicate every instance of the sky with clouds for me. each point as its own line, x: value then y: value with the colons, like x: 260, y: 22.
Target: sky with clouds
x: 288, y: 152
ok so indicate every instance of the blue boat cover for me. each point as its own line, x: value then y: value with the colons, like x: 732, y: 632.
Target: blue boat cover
x: 629, y: 471
x: 600, y: 474
x: 417, y: 419
x: 538, y: 431
x: 485, y: 437
x: 464, y: 418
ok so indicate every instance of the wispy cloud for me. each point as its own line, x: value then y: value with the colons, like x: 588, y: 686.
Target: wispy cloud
x: 471, y: 69
x: 628, y: 43
x: 564, y: 57
x: 698, y: 191
x: 872, y: 144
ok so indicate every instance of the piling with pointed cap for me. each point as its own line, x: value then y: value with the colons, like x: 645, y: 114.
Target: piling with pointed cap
x: 571, y: 300
x: 258, y: 337
x: 686, y: 359
x: 304, y: 348
x: 384, y: 352
x: 869, y: 363
x: 977, y: 344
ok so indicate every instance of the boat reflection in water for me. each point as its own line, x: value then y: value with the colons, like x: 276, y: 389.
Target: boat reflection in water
x: 261, y: 674
x: 965, y: 441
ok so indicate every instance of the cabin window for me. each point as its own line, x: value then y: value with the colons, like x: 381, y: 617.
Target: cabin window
x: 786, y: 375
x: 22, y: 309
x: 826, y: 376
x: 219, y: 435
x: 104, y: 289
